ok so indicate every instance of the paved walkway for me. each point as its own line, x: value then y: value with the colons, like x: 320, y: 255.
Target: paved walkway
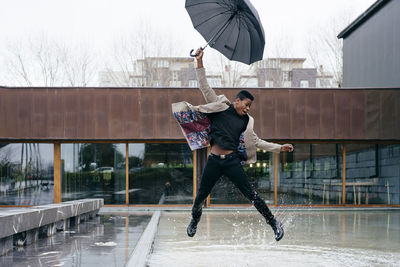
x: 313, y: 238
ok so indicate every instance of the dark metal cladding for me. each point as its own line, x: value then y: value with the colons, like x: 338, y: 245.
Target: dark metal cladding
x: 132, y: 112
x: 24, y: 111
x: 343, y: 115
x: 282, y: 115
x: 357, y: 119
x: 327, y: 115
x: 62, y: 114
x: 313, y: 113
x: 266, y: 123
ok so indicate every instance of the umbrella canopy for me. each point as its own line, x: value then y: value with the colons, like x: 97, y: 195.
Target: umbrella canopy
x: 232, y: 27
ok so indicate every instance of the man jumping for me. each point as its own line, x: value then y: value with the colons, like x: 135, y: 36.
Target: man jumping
x: 228, y: 128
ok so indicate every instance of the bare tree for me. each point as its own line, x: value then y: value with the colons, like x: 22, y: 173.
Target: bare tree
x: 79, y: 69
x: 47, y: 56
x: 325, y: 50
x: 35, y: 62
x: 16, y: 65
x: 132, y: 53
x: 45, y: 62
x: 233, y: 73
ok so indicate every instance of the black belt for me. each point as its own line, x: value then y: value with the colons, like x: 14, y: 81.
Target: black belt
x: 226, y: 156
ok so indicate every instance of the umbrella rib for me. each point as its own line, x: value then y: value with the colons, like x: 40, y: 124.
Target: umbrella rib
x: 250, y: 27
x: 211, y: 18
x: 234, y: 25
x: 237, y: 40
x: 250, y: 38
x: 249, y: 22
x: 221, y: 30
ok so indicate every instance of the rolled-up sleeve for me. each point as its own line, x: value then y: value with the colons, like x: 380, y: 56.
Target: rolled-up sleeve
x: 264, y: 145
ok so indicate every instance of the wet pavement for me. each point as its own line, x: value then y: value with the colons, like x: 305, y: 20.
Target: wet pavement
x: 107, y: 240
x: 312, y: 238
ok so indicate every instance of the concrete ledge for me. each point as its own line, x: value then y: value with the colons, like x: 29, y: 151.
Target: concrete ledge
x: 145, y: 244
x: 25, y: 225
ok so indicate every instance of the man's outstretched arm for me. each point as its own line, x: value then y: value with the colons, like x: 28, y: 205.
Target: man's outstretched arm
x: 208, y: 93
x: 273, y: 147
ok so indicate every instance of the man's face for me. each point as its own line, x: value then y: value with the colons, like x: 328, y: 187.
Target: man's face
x: 242, y: 106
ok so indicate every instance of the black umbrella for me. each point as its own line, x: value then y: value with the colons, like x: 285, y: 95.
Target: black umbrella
x: 232, y: 27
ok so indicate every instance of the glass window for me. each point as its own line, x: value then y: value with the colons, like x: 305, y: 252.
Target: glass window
x: 160, y: 174
x: 163, y: 64
x: 193, y: 83
x: 287, y: 84
x: 286, y: 76
x: 175, y: 83
x: 304, y: 84
x: 372, y: 174
x: 387, y: 191
x: 175, y: 76
x: 311, y: 174
x: 260, y: 175
x: 269, y: 83
x: 214, y: 82
x: 160, y: 63
x: 93, y: 171
x: 26, y: 174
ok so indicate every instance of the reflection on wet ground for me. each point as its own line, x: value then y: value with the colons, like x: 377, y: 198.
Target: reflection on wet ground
x: 312, y: 238
x: 108, y: 240
x: 33, y: 192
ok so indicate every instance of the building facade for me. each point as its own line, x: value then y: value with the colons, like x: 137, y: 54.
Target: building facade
x: 123, y: 145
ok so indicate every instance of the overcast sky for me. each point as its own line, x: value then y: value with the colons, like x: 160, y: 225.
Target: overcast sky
x: 98, y: 23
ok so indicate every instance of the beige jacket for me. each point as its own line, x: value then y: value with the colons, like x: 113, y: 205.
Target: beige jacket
x: 220, y: 103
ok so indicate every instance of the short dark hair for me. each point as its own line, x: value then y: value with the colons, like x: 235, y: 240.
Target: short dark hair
x: 244, y: 94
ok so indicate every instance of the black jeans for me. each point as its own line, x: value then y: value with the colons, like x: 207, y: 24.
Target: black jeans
x: 230, y: 167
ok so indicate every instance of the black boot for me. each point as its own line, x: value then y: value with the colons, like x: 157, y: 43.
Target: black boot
x: 277, y: 227
x: 192, y: 227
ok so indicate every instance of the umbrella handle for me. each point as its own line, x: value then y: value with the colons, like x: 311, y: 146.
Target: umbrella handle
x: 191, y: 53
x: 195, y: 55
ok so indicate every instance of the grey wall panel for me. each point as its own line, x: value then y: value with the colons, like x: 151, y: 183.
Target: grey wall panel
x: 371, y: 53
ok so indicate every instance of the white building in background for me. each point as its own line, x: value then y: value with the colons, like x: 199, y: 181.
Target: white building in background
x: 153, y: 72
x: 180, y: 72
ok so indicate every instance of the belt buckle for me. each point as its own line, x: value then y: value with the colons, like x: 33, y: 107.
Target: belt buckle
x: 222, y: 156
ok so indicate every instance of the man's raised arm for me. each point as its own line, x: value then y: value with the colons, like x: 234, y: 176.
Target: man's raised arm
x: 208, y: 93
